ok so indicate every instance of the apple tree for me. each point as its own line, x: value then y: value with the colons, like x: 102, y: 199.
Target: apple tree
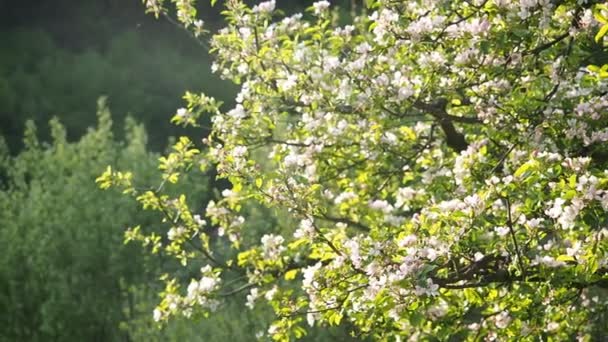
x: 438, y: 169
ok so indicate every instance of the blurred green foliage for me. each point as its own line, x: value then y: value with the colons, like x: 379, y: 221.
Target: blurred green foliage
x: 65, y: 273
x: 146, y: 79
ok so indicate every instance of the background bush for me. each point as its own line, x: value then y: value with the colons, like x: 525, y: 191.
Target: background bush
x: 65, y: 272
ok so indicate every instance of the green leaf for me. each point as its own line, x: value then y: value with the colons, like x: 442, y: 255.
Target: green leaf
x: 527, y: 166
x: 291, y: 275
x: 334, y: 318
x: 565, y: 258
x: 572, y: 181
x: 599, y: 16
x: 601, y: 33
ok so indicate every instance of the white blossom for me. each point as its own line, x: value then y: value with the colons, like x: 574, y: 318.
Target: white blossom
x: 320, y: 6
x: 265, y: 7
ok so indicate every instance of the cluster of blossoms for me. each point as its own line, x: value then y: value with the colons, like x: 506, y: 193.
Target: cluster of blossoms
x: 198, y: 296
x: 445, y: 160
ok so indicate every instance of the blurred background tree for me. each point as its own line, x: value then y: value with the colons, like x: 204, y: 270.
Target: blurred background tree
x: 63, y: 275
x: 143, y: 77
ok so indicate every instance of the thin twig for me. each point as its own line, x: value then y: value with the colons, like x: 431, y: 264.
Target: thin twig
x: 182, y: 27
x: 517, y: 251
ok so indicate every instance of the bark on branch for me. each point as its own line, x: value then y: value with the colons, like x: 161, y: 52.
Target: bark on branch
x: 493, y: 269
x: 454, y: 139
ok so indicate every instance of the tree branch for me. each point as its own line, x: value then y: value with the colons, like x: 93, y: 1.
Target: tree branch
x: 454, y: 139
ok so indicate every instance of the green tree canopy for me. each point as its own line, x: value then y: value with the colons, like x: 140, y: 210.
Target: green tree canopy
x: 63, y: 274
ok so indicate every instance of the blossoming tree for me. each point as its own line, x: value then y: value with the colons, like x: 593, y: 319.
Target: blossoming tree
x: 444, y: 165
